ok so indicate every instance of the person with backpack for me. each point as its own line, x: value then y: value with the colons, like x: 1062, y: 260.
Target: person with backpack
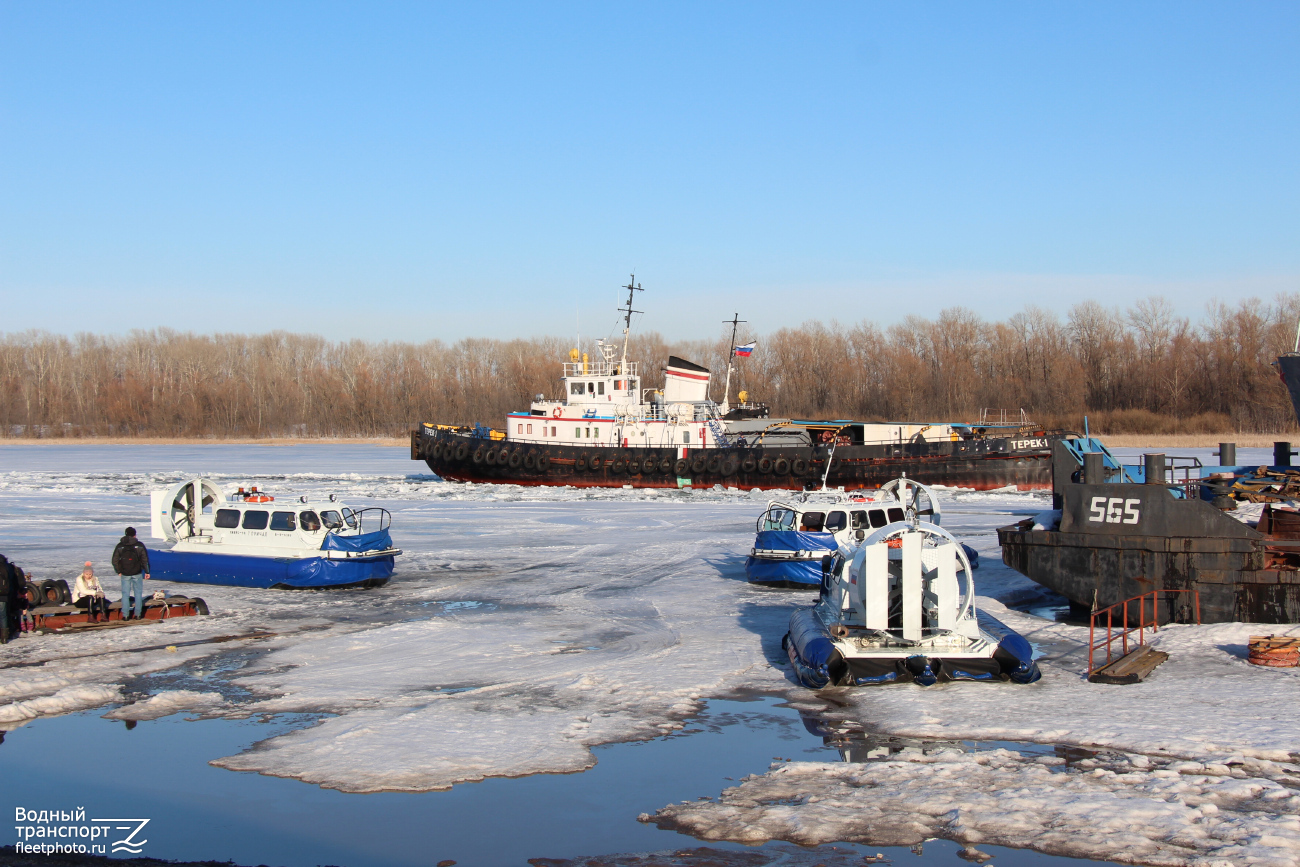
x: 131, y: 563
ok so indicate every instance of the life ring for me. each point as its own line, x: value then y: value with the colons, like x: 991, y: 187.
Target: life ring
x: 543, y: 463
x: 461, y: 451
x: 515, y: 460
x: 478, y: 456
x: 799, y: 467
x: 682, y: 467
x: 530, y: 461
x: 765, y: 465
x: 781, y: 467
x: 580, y: 464
x: 749, y: 464
x: 697, y: 464
x: 557, y: 412
x: 595, y: 462
x: 713, y: 465
x: 729, y: 466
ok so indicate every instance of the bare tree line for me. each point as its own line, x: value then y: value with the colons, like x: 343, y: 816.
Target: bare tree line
x: 1140, y: 370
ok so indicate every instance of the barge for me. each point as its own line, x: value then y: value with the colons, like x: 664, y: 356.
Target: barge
x: 1230, y: 535
x: 606, y: 429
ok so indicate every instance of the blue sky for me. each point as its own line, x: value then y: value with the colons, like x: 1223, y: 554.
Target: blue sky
x: 406, y: 171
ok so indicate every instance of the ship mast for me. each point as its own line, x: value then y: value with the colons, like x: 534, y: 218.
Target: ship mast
x: 632, y: 287
x: 734, y: 322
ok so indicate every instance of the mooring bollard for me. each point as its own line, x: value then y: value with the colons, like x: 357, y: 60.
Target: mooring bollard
x: 1282, y: 454
x: 1227, y: 454
x: 1154, y: 469
x: 1094, y: 471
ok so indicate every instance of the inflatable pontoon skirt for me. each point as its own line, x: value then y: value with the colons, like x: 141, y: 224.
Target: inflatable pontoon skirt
x: 237, y: 570
x: 818, y: 664
x: 804, y: 573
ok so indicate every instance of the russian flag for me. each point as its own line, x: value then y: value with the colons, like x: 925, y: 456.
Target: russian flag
x: 747, y: 349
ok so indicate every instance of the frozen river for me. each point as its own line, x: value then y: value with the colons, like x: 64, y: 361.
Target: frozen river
x: 535, y: 632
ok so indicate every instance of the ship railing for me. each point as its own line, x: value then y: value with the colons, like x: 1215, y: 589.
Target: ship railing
x: 378, y: 518
x: 1122, y: 623
x: 601, y: 368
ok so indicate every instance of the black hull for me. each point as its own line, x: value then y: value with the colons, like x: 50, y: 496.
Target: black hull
x: 980, y: 464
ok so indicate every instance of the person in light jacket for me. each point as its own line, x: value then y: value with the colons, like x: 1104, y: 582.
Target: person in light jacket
x: 131, y: 562
x: 88, y: 593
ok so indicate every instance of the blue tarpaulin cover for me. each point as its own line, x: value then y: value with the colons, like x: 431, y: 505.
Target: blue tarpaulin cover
x: 377, y: 541
x: 804, y: 571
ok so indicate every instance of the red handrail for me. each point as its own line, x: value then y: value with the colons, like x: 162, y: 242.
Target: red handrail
x: 1124, y: 630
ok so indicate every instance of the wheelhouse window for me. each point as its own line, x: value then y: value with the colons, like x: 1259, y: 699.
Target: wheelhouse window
x: 576, y: 388
x: 331, y: 519
x: 836, y: 521
x: 227, y: 519
x: 283, y: 521
x: 591, y: 388
x: 600, y: 387
x: 255, y: 519
x: 309, y: 521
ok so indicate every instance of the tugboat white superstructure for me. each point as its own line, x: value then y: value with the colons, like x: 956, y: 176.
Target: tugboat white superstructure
x: 900, y: 607
x: 250, y: 540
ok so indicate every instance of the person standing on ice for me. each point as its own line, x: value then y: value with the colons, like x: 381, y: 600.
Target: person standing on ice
x: 131, y: 563
x: 88, y: 593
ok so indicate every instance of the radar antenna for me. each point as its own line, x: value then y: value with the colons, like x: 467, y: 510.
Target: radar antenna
x: 632, y: 287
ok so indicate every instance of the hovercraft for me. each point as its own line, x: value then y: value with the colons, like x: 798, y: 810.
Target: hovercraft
x: 794, y: 535
x: 900, y: 607
x: 250, y: 540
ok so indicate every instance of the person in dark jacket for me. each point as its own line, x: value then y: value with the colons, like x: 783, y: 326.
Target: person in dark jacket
x: 131, y: 562
x: 8, y: 578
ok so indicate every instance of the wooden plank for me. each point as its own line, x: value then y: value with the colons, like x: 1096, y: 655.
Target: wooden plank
x: 1133, y: 667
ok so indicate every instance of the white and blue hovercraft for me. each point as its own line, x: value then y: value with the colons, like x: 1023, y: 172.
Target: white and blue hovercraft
x: 794, y: 535
x: 900, y: 607
x: 250, y: 540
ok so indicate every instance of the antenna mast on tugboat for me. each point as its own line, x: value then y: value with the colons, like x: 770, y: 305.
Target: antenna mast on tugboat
x: 632, y: 287
x: 734, y: 321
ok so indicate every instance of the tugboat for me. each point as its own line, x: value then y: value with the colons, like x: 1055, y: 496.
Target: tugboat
x: 249, y: 540
x: 792, y: 537
x: 898, y: 608
x: 607, y: 430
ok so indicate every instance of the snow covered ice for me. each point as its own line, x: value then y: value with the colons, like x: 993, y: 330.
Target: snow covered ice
x: 525, y: 625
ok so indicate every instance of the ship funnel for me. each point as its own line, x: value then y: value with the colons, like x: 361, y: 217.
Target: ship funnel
x: 685, y: 381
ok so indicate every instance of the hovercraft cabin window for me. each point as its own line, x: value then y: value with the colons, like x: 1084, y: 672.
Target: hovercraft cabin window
x: 282, y: 521
x: 227, y: 519
x: 255, y: 519
x: 836, y: 521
